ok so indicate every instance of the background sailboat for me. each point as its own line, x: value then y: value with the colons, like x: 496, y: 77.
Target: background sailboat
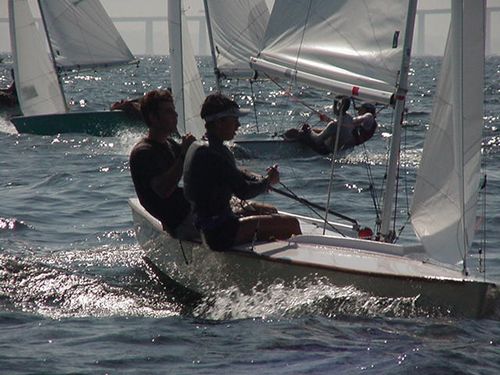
x: 69, y: 35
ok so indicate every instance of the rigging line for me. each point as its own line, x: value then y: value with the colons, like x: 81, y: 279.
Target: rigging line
x: 254, y: 238
x: 283, y: 89
x: 405, y: 171
x: 373, y: 193
x: 254, y: 102
x: 311, y: 206
x: 482, y: 258
x: 183, y: 253
x: 303, y: 35
x: 396, y: 195
x: 295, y: 98
x: 408, y: 215
x: 340, y: 123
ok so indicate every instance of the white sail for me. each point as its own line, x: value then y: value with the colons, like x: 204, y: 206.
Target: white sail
x: 38, y: 88
x: 444, y: 206
x: 187, y: 87
x: 82, y: 34
x: 237, y: 28
x: 351, y: 47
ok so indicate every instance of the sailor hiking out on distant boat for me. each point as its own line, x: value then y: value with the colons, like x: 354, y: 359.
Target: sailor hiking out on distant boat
x: 211, y: 178
x: 353, y: 131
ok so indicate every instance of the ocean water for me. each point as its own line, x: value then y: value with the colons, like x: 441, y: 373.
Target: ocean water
x: 76, y: 298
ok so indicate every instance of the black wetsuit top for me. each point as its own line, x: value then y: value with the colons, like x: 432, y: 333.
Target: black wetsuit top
x: 147, y: 160
x: 211, y: 178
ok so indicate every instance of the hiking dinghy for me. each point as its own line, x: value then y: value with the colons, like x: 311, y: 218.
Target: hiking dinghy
x: 434, y: 271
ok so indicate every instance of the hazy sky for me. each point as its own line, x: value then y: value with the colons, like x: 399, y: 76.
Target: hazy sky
x: 134, y: 32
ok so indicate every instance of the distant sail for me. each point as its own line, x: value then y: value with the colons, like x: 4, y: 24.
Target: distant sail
x: 38, y: 87
x: 353, y: 47
x: 187, y: 87
x: 238, y: 28
x: 82, y: 35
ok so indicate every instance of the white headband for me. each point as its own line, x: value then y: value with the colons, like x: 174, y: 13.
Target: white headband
x: 231, y: 112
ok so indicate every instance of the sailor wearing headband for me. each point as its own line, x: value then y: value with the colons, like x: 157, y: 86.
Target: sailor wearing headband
x: 212, y: 179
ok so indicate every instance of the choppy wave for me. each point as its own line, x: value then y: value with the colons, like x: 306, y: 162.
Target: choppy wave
x: 279, y: 301
x: 95, y: 283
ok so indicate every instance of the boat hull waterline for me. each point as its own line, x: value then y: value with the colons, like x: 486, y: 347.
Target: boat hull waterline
x: 99, y: 123
x: 383, y: 270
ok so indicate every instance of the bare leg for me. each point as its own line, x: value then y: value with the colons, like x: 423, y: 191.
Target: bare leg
x: 266, y: 227
x: 250, y: 208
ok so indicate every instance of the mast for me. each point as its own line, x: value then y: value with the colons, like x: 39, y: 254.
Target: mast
x: 52, y: 58
x: 212, y: 46
x: 13, y: 45
x: 177, y: 58
x: 400, y: 97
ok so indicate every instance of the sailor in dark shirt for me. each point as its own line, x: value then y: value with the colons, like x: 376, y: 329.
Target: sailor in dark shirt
x: 156, y: 165
x: 211, y: 178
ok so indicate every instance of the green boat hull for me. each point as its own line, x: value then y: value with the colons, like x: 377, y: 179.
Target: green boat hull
x: 99, y: 123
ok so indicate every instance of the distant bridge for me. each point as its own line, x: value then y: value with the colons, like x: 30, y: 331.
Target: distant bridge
x: 148, y: 24
x: 422, y: 14
x: 200, y: 29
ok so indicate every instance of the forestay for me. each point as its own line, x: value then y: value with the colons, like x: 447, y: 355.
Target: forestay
x: 237, y: 30
x: 37, y: 83
x: 82, y: 35
x: 353, y: 47
x: 445, y: 200
x: 187, y: 86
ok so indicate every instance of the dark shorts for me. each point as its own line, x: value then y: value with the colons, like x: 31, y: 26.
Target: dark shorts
x: 223, y: 235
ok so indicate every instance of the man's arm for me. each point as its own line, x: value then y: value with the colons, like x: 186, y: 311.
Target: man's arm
x: 166, y: 183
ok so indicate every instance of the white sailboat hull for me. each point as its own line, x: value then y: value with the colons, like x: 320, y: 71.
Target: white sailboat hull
x: 380, y: 269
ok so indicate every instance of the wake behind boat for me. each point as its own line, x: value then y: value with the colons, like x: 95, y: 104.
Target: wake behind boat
x: 79, y: 35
